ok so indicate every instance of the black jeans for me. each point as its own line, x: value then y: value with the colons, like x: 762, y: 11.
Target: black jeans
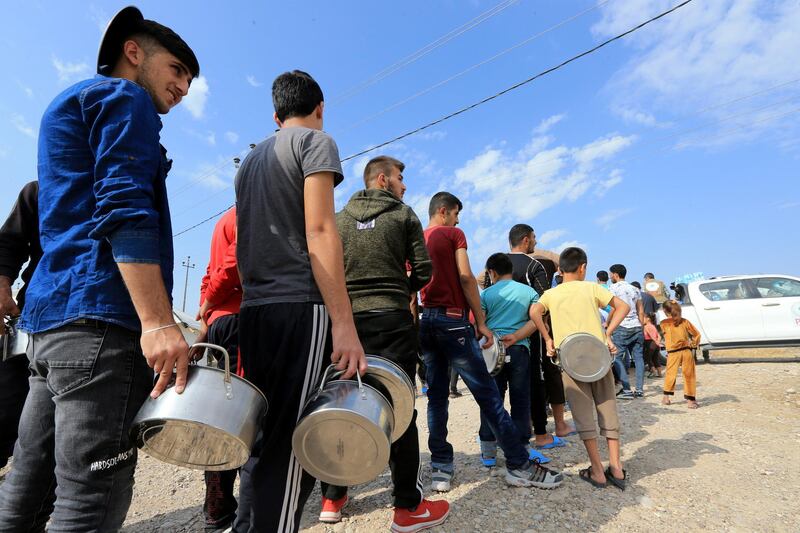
x: 87, y: 384
x: 546, y: 384
x: 392, y: 335
x: 13, y: 391
x: 220, y: 505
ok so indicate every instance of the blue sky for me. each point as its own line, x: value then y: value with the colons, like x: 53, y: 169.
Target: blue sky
x: 674, y: 150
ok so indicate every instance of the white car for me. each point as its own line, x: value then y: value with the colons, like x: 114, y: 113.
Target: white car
x: 743, y: 311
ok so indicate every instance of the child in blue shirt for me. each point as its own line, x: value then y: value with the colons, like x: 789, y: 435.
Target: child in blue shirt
x: 507, y: 305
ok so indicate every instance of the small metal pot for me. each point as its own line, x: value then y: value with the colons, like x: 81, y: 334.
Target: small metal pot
x: 394, y: 383
x: 14, y: 342
x: 495, y: 355
x: 212, y: 425
x: 344, y: 434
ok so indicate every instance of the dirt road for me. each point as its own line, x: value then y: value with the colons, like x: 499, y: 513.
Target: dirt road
x: 732, y: 465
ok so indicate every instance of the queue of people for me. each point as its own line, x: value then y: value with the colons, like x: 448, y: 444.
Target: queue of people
x: 291, y: 287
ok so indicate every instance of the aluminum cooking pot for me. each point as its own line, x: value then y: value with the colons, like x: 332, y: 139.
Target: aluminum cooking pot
x: 395, y: 385
x: 495, y: 355
x: 14, y: 342
x: 344, y: 434
x: 212, y: 425
x: 584, y: 357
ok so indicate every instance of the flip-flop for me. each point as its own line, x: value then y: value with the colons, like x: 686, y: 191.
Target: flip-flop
x: 534, y: 455
x: 558, y: 442
x: 619, y: 483
x: 586, y: 475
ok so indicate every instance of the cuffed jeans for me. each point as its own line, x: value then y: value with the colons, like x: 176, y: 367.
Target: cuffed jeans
x: 446, y: 341
x: 629, y: 340
x: 74, y: 459
x: 515, y: 377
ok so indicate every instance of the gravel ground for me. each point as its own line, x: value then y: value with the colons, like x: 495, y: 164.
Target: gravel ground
x: 729, y: 466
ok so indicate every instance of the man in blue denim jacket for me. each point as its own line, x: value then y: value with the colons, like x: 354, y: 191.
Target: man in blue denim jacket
x: 98, y: 306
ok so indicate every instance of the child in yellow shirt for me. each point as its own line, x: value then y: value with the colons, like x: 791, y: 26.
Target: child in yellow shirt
x: 573, y: 307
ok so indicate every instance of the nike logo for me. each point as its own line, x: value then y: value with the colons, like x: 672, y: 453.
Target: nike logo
x: 425, y: 515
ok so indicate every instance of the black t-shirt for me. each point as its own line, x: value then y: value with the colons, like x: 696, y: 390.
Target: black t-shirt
x: 19, y: 239
x: 530, y: 271
x: 649, y: 303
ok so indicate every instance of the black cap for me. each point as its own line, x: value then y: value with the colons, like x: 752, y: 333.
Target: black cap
x: 129, y: 21
x: 121, y: 26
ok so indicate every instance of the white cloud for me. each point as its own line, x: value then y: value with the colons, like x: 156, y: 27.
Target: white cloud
x: 788, y: 205
x: 607, y: 219
x: 208, y: 137
x: 550, y: 236
x: 68, y: 72
x: 545, y: 125
x: 195, y: 101
x: 569, y: 244
x: 99, y: 17
x: 25, y: 89
x: 232, y: 137
x: 637, y: 116
x: 705, y: 54
x: 614, y: 179
x: 22, y: 126
x: 3, y: 152
x: 253, y: 81
x: 436, y: 135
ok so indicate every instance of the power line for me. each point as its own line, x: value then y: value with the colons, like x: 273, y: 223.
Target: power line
x: 212, y: 217
x: 489, y: 98
x: 476, y: 65
x: 422, y: 52
x: 520, y: 84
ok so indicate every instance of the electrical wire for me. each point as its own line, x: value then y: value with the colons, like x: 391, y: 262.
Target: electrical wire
x: 520, y: 84
x: 476, y: 65
x: 422, y: 52
x: 494, y: 96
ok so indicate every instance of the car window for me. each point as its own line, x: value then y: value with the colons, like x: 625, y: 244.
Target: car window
x: 777, y: 287
x: 734, y: 289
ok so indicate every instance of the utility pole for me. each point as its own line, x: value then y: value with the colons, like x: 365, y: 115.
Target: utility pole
x: 187, y: 265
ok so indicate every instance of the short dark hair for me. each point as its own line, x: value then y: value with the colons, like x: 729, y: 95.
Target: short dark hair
x: 167, y: 39
x: 619, y: 270
x: 649, y: 275
x: 295, y: 94
x: 602, y: 275
x: 443, y: 199
x: 636, y: 284
x: 571, y: 260
x: 500, y: 263
x: 517, y: 233
x: 382, y: 163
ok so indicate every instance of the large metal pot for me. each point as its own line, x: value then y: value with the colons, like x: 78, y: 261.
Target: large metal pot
x: 344, y: 434
x: 212, y: 425
x: 394, y: 383
x: 584, y: 357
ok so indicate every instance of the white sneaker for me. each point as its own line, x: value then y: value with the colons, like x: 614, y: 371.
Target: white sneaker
x: 534, y: 475
x: 440, y: 480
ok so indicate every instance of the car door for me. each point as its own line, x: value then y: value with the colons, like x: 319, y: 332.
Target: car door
x: 780, y: 306
x: 729, y: 311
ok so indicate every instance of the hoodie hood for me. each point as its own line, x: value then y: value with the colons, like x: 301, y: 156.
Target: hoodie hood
x: 369, y: 203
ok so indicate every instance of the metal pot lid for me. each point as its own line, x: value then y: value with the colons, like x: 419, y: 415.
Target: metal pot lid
x: 492, y: 353
x: 584, y: 357
x: 192, y: 445
x: 340, y: 446
x: 390, y: 377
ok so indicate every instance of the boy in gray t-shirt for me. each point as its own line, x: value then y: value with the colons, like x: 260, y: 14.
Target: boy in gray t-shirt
x: 295, y: 316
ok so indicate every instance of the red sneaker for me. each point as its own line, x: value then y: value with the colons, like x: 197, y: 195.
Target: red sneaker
x: 427, y: 514
x: 332, y: 510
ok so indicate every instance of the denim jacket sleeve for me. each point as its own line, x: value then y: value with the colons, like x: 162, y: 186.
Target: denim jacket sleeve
x: 124, y: 137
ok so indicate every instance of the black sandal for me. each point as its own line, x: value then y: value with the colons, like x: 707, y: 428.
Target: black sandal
x: 586, y: 475
x: 619, y: 483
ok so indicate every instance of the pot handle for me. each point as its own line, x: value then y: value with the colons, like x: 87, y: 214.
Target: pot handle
x: 336, y: 373
x: 227, y: 378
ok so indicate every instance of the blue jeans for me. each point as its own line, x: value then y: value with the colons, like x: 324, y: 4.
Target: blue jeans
x: 515, y: 377
x: 629, y: 340
x: 446, y: 341
x: 74, y: 459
